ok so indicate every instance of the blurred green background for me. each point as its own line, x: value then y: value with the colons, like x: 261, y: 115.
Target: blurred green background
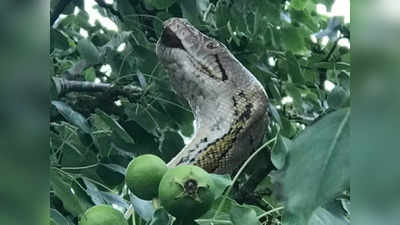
x: 24, y: 46
x: 375, y: 112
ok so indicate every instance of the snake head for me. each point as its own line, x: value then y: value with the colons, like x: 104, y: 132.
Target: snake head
x: 179, y: 33
x: 183, y: 44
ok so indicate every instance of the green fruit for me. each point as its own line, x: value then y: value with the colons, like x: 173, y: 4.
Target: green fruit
x: 102, y: 215
x: 144, y: 174
x: 186, y: 191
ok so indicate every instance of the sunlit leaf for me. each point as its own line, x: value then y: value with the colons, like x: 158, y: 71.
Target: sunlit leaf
x: 88, y: 51
x: 317, y: 166
x: 58, y: 218
x: 115, y: 127
x: 144, y: 208
x: 72, y: 116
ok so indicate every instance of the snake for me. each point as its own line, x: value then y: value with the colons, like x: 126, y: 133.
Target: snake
x: 228, y: 103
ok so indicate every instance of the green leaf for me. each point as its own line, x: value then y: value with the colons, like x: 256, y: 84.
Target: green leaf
x: 273, y: 88
x: 109, y: 175
x: 63, y: 189
x: 160, y: 217
x: 337, y: 97
x: 279, y: 153
x: 295, y: 93
x: 318, y: 166
x: 221, y: 18
x: 69, y: 8
x: 225, y: 213
x: 112, y: 198
x: 72, y: 116
x: 57, y: 217
x: 102, y: 136
x: 88, y: 51
x: 294, y: 69
x: 115, y: 167
x: 183, y: 221
x: 52, y: 222
x: 331, y: 65
x: 101, y: 197
x: 337, y: 208
x: 179, y: 113
x: 158, y: 26
x: 146, y: 59
x: 143, y: 208
x: 146, y: 144
x: 271, y: 9
x: 304, y: 17
x: 143, y: 116
x: 115, y: 127
x: 344, y: 80
x: 287, y: 130
x: 58, y: 40
x: 93, y: 192
x: 241, y: 215
x: 171, y: 144
x: 323, y: 217
x: 193, y: 10
x: 90, y: 74
x: 293, y: 39
x: 68, y: 141
x: 126, y: 8
x: 82, y: 21
x: 275, y: 113
x: 221, y: 183
x: 160, y: 4
x: 298, y: 4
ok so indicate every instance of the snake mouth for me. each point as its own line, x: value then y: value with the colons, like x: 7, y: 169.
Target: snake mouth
x: 169, y: 39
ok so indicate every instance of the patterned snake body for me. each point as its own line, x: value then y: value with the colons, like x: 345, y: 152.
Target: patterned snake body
x: 228, y: 102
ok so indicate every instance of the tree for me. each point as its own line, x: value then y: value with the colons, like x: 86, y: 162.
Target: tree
x: 112, y: 101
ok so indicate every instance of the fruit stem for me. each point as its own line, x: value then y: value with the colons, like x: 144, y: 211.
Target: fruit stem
x: 270, y: 212
x: 221, y: 204
x: 190, y: 186
x: 156, y: 203
x: 133, y: 219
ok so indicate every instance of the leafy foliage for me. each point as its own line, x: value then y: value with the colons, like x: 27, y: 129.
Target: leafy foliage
x: 122, y: 106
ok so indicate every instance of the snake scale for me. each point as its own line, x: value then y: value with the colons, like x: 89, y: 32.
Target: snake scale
x: 228, y: 102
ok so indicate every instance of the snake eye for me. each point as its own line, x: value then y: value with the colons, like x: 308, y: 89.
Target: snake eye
x: 212, y: 45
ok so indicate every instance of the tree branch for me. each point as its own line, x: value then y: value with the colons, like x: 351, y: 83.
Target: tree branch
x: 64, y: 86
x: 330, y: 53
x: 323, y: 72
x: 101, y: 3
x: 58, y: 10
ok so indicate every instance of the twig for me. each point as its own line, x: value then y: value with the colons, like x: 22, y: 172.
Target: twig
x: 322, y: 71
x: 335, y: 44
x: 101, y: 3
x: 129, y: 212
x: 80, y: 168
x: 58, y: 10
x: 64, y: 86
x: 270, y: 212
